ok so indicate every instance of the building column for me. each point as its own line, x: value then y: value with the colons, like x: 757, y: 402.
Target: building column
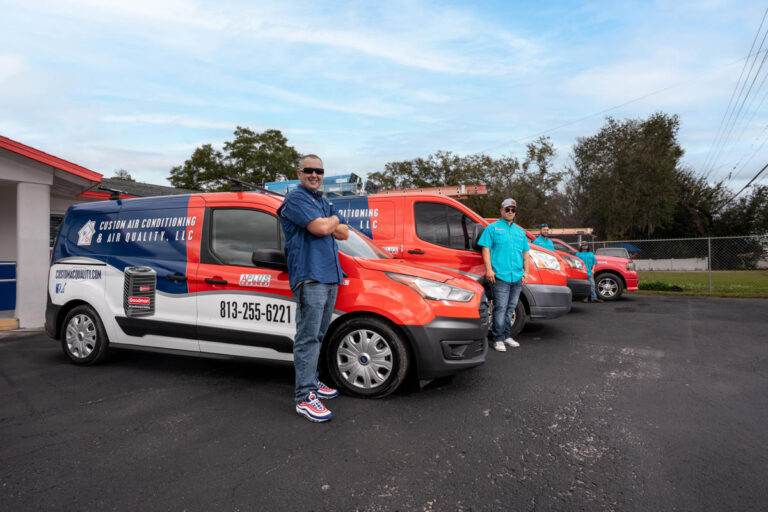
x: 33, y: 219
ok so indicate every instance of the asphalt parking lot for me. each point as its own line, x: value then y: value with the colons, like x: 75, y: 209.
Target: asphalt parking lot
x: 649, y: 403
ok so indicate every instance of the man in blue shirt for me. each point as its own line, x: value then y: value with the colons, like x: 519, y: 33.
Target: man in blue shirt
x: 311, y: 226
x: 506, y: 256
x: 543, y: 239
x: 588, y: 257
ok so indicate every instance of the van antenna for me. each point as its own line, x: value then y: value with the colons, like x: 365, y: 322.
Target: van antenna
x: 240, y: 185
x: 114, y: 193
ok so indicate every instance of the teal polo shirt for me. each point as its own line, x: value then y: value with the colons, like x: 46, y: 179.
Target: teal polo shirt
x: 507, y: 243
x: 545, y: 242
x: 588, y: 257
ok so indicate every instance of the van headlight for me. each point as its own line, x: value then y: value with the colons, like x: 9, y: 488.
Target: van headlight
x: 574, y: 262
x: 544, y: 260
x: 433, y: 290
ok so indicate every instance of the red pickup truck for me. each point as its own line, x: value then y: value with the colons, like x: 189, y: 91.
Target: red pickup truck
x: 612, y: 274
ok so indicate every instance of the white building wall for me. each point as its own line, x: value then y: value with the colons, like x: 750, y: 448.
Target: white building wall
x: 33, y: 214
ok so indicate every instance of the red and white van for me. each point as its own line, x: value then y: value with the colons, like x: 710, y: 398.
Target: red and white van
x: 441, y: 232
x: 206, y: 274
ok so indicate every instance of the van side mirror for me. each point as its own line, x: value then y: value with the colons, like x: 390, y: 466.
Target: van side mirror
x: 269, y: 258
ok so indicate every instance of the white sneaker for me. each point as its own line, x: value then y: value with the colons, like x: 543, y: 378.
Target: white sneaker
x: 498, y: 346
x: 511, y: 342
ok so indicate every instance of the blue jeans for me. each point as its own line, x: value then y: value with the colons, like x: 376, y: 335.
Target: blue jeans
x: 592, y: 294
x: 315, y: 302
x: 505, y: 296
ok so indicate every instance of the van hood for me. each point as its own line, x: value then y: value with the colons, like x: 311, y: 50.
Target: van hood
x: 443, y: 275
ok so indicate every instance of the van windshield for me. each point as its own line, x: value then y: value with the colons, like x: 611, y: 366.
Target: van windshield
x: 360, y: 246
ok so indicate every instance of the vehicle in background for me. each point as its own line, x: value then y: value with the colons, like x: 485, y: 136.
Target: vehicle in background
x: 618, y: 252
x: 206, y: 274
x: 612, y: 275
x: 441, y: 232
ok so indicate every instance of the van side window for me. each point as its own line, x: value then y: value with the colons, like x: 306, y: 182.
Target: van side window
x: 445, y: 225
x: 236, y: 233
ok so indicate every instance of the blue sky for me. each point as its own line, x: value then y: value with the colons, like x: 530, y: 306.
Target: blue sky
x: 139, y: 85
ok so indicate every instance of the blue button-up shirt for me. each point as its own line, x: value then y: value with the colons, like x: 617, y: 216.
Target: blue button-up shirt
x: 507, y: 243
x: 588, y: 257
x: 545, y: 242
x: 309, y: 256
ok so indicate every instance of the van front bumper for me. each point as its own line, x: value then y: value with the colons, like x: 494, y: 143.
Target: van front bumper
x: 579, y: 288
x: 547, y: 300
x: 446, y: 346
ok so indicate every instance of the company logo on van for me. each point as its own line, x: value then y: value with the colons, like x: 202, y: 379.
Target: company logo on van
x: 85, y: 235
x: 138, y: 301
x: 255, y: 279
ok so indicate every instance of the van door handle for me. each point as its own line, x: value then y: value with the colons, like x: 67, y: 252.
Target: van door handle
x: 176, y: 277
x: 215, y: 281
x: 415, y: 251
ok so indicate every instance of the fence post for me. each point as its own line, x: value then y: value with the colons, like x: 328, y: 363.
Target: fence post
x: 709, y: 261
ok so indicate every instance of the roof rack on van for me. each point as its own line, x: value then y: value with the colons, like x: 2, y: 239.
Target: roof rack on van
x: 114, y: 193
x: 240, y: 185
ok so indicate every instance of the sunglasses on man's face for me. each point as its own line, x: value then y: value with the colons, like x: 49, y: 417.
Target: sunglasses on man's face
x: 510, y: 209
x: 317, y: 170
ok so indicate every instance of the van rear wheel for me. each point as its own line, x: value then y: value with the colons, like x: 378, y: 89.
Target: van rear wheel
x: 367, y: 358
x: 83, y: 338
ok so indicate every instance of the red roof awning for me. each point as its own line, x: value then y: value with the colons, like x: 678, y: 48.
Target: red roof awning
x: 45, y: 158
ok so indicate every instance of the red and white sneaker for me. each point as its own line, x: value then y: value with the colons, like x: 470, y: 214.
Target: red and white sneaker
x: 313, y: 409
x: 325, y: 392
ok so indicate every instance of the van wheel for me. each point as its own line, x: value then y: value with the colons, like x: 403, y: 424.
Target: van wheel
x: 518, y: 319
x: 367, y: 358
x: 83, y: 337
x: 609, y: 286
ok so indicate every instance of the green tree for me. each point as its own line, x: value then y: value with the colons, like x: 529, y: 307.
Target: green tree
x: 122, y: 174
x: 250, y: 156
x: 534, y: 183
x: 623, y: 180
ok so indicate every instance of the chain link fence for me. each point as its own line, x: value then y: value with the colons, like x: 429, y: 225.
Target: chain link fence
x: 719, y: 264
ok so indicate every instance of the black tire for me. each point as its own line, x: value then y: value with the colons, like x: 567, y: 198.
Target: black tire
x: 609, y: 286
x: 519, y: 320
x: 83, y: 338
x: 354, y: 350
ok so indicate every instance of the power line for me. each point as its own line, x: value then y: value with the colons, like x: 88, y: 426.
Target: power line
x: 744, y: 101
x: 723, y: 137
x: 746, y: 186
x: 735, y: 87
x: 609, y: 109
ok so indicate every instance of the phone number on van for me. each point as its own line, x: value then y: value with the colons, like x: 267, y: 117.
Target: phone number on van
x: 278, y: 313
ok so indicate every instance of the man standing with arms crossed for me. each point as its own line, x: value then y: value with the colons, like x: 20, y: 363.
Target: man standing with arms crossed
x: 311, y: 226
x: 506, y: 257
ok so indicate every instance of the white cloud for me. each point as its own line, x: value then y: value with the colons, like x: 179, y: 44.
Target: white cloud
x: 10, y: 66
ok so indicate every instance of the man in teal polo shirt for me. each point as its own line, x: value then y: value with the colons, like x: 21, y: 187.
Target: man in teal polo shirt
x: 543, y: 239
x: 588, y: 257
x: 506, y: 256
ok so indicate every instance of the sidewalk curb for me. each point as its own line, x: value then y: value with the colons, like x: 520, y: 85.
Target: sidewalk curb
x: 20, y: 333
